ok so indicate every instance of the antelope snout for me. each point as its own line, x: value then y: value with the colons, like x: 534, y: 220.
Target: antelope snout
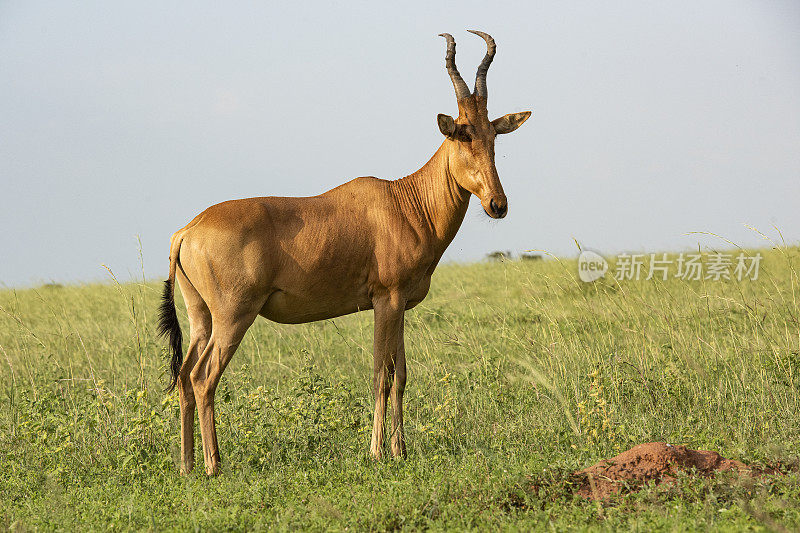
x: 498, y: 207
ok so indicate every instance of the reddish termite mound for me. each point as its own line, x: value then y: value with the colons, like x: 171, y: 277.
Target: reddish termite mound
x: 652, y: 461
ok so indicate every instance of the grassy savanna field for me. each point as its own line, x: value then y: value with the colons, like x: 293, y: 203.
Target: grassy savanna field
x: 518, y: 375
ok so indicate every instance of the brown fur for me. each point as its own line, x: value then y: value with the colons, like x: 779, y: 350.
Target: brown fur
x: 367, y: 244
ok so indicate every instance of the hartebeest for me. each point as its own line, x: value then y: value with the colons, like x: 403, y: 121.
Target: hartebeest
x: 367, y: 244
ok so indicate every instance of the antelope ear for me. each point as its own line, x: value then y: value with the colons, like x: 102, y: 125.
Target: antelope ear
x: 446, y: 124
x: 510, y: 122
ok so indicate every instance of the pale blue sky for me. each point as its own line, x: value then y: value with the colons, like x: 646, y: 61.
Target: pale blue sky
x: 650, y: 119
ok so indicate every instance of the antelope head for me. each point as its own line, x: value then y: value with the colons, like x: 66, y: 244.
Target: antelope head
x: 470, y: 136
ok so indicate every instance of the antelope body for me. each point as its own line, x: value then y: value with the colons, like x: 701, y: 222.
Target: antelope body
x: 367, y: 244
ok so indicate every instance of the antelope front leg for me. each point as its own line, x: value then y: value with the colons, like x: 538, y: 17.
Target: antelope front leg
x: 389, y: 309
x: 398, y: 439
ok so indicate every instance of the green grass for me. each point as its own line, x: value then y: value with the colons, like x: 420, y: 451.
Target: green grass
x: 518, y: 375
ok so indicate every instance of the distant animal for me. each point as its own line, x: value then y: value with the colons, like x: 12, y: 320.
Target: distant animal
x: 499, y: 256
x: 368, y: 244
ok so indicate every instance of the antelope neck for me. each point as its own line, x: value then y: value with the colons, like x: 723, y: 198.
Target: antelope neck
x: 432, y: 199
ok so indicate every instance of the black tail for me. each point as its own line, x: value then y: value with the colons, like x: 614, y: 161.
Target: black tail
x: 169, y: 327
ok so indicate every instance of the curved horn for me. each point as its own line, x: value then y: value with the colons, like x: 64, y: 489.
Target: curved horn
x: 450, y: 62
x: 483, y: 68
